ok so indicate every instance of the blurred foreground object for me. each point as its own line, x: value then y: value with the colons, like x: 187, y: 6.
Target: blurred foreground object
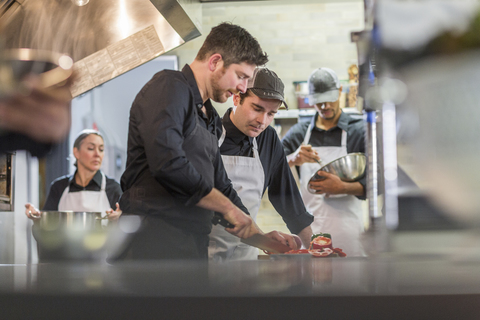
x: 437, y: 58
x: 70, y: 235
x: 34, y: 98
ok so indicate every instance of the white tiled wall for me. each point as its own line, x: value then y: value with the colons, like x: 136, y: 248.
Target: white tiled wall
x: 299, y: 36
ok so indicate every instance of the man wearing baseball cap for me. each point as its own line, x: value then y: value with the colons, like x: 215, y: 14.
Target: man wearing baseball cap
x: 254, y: 159
x: 331, y: 134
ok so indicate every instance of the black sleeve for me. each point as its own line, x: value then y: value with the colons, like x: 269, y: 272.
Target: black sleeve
x: 356, y: 143
x: 114, y: 192
x: 10, y: 142
x: 224, y: 184
x: 160, y: 112
x: 283, y: 192
x: 294, y: 137
x: 55, y: 193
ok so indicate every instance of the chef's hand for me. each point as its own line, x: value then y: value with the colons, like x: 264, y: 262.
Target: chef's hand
x: 244, y: 225
x: 333, y: 185
x: 32, y: 212
x: 291, y: 240
x: 330, y: 185
x: 305, y: 153
x: 114, y: 215
x: 42, y: 114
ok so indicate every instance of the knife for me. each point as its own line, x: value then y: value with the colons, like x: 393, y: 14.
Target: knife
x: 257, y: 240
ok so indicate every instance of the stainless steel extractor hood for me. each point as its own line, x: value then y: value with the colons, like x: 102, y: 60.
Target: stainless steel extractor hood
x: 105, y: 38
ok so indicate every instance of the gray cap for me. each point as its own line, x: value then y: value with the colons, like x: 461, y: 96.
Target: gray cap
x: 323, y: 86
x: 266, y: 84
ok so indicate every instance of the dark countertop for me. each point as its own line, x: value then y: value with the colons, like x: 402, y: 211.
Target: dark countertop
x: 386, y: 286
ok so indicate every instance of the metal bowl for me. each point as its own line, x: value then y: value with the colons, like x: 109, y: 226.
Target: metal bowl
x: 349, y: 168
x: 70, y: 235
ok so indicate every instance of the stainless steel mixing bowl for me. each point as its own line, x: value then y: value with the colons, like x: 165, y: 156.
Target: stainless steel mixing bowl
x: 349, y: 168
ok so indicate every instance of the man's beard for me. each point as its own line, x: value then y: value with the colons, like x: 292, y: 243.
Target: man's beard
x: 218, y: 94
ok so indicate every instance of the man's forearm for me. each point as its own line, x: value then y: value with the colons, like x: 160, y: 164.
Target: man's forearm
x: 354, y: 188
x: 306, y: 235
x: 216, y: 201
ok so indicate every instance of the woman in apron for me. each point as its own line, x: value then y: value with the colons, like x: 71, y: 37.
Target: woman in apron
x: 88, y: 189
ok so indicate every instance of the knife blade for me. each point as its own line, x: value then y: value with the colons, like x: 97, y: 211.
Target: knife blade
x: 257, y: 240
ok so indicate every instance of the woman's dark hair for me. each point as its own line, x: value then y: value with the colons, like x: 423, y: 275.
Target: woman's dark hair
x: 235, y: 45
x: 81, y: 136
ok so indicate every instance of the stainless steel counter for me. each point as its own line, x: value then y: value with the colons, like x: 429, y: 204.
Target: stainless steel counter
x: 387, y: 286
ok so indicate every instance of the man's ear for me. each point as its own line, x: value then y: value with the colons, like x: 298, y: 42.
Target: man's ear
x: 236, y: 99
x: 215, y: 61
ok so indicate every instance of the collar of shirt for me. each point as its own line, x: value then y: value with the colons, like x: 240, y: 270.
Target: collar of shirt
x: 241, y: 142
x: 342, y: 122
x: 208, y: 118
x: 94, y: 184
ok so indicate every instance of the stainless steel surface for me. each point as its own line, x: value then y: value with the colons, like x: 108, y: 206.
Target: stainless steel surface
x: 105, y: 38
x: 265, y: 243
x: 409, y: 286
x: 349, y: 168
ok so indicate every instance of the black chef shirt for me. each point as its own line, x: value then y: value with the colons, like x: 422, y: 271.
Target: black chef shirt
x: 354, y: 126
x: 161, y: 116
x: 58, y: 186
x: 282, y: 189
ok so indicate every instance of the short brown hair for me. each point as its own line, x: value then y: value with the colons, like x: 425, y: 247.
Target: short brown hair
x: 247, y: 93
x: 235, y: 44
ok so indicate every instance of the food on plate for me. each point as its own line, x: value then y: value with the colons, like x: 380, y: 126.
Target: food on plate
x: 320, y: 246
x: 320, y: 242
x: 323, y: 252
x: 299, y: 251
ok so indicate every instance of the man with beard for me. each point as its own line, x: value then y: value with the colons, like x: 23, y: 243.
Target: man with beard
x: 331, y: 134
x: 254, y: 159
x: 174, y: 176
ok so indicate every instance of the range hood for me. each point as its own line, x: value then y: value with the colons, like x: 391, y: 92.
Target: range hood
x: 105, y: 38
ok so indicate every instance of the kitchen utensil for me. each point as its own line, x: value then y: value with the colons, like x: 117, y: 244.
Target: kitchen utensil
x: 349, y: 168
x: 257, y: 240
x: 70, y: 235
x: 51, y: 67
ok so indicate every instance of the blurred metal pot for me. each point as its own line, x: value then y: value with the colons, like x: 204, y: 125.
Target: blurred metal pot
x: 70, y: 235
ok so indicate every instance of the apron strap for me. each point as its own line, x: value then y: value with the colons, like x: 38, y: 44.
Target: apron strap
x: 222, y: 137
x: 308, y: 134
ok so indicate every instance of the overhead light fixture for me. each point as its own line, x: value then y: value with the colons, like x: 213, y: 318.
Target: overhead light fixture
x: 80, y: 3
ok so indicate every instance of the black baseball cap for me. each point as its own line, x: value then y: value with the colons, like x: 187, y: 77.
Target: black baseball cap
x: 266, y: 84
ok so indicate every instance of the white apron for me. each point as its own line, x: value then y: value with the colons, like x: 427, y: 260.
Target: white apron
x: 248, y: 179
x: 88, y: 201
x: 339, y: 215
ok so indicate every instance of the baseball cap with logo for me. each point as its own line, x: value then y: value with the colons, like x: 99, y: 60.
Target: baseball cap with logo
x: 323, y: 86
x: 266, y: 84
